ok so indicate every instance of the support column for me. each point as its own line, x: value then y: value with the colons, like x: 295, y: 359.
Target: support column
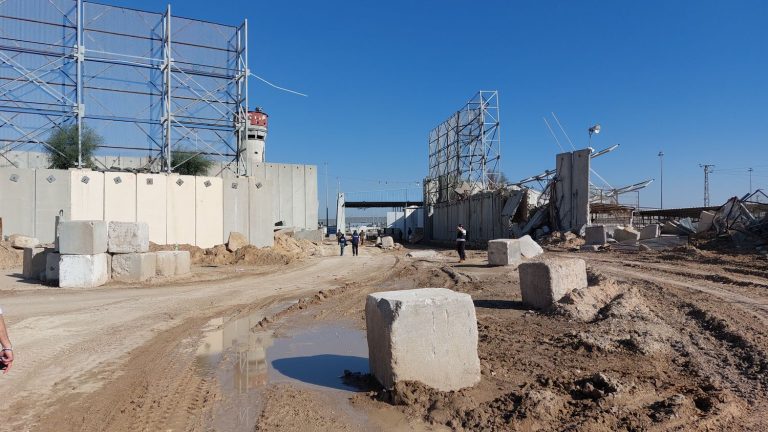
x: 168, y: 112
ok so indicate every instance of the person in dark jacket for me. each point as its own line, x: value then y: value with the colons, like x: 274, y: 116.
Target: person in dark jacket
x: 342, y: 244
x: 355, y: 242
x: 461, y: 242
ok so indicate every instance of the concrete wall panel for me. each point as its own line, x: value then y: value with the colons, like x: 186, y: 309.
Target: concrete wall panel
x: 17, y: 201
x: 180, y: 213
x: 260, y: 214
x: 151, y: 204
x: 87, y: 195
x: 52, y: 195
x: 310, y: 188
x: 120, y: 197
x: 236, y: 205
x: 299, y: 196
x: 209, y: 211
x: 285, y: 194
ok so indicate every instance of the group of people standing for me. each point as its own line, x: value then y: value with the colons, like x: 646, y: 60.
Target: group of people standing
x: 357, y: 241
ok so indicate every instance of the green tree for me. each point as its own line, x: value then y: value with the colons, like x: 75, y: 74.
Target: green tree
x: 190, y: 163
x: 62, y: 147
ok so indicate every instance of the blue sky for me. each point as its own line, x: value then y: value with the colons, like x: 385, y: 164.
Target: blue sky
x: 686, y: 77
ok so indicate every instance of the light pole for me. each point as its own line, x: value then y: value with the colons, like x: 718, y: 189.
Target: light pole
x: 750, y: 180
x: 661, y: 171
x: 326, y: 198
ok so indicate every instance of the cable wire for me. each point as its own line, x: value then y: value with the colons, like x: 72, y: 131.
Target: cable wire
x: 276, y: 86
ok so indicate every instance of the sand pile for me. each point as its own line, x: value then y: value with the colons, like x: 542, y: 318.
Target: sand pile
x: 10, y: 257
x: 285, y: 251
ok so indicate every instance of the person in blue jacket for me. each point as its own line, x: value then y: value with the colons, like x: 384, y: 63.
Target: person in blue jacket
x: 355, y: 242
x: 342, y: 243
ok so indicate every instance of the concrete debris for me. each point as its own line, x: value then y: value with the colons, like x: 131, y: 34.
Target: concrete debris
x: 706, y: 219
x: 19, y: 241
x: 82, y: 237
x: 235, y: 241
x: 627, y: 234
x: 315, y: 236
x: 127, y: 237
x: 134, y: 267
x: 428, y: 335
x: 590, y: 248
x: 84, y: 271
x: 543, y: 283
x: 387, y: 242
x: 651, y: 231
x: 529, y: 248
x: 34, y: 262
x: 596, y: 235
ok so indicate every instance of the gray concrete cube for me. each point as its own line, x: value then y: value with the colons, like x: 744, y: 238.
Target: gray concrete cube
x: 82, y: 237
x: 387, y: 242
x: 627, y: 234
x: 183, y: 263
x: 134, y: 267
x: 52, y: 267
x: 127, y: 237
x: 33, y: 263
x: 427, y: 335
x: 542, y: 283
x: 84, y: 271
x: 596, y: 235
x: 528, y: 247
x: 706, y: 220
x: 166, y: 263
x: 504, y: 252
x: 235, y: 241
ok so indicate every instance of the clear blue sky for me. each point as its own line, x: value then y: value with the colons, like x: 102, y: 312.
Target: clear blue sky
x: 686, y: 77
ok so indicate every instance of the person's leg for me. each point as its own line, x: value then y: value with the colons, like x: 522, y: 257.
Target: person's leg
x: 462, y: 253
x: 342, y: 250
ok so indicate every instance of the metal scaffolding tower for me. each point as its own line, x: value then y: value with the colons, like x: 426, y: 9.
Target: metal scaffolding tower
x: 464, y: 150
x: 149, y: 83
x: 707, y: 171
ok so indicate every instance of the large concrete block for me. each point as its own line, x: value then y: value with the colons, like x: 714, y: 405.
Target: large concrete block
x: 19, y: 241
x: 705, y: 221
x: 34, y: 262
x: 427, y: 335
x: 86, y: 195
x: 180, y: 211
x: 315, y: 236
x: 183, y: 263
x: 134, y: 267
x: 120, y: 197
x: 52, y: 267
x: 596, y: 235
x: 651, y: 231
x: 17, y: 201
x: 151, y: 204
x: 236, y: 240
x: 387, y: 242
x: 166, y: 263
x: 542, y: 283
x: 84, y: 271
x: 626, y: 234
x: 504, y: 252
x: 528, y: 247
x: 128, y: 237
x: 209, y: 212
x: 82, y: 237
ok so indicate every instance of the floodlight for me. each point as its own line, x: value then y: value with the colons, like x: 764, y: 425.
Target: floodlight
x: 594, y: 129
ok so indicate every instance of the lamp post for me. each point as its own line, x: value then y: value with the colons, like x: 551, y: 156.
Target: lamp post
x: 326, y: 198
x: 593, y: 130
x: 750, y: 180
x: 661, y: 172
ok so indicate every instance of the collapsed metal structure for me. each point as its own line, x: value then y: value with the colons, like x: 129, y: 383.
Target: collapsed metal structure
x: 147, y: 82
x: 464, y: 151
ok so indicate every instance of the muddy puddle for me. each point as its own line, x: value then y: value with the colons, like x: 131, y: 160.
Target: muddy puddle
x: 245, y: 359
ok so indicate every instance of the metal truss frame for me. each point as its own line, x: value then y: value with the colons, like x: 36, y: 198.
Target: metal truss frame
x: 185, y: 80
x: 465, y: 150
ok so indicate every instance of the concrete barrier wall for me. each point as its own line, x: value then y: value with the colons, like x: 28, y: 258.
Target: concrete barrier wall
x: 171, y: 210
x: 52, y: 196
x: 17, y: 190
x: 180, y: 210
x: 236, y: 199
x: 86, y: 195
x: 120, y: 197
x: 209, y: 211
x: 480, y: 215
x: 151, y: 204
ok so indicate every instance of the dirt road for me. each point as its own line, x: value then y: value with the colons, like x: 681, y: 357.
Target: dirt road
x: 113, y: 358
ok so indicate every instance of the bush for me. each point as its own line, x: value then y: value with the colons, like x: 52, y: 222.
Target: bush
x: 62, y: 147
x: 190, y: 163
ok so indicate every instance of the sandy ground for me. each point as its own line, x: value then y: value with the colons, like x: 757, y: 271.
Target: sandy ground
x: 659, y: 341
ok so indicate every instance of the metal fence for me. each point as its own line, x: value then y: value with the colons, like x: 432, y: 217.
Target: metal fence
x: 148, y: 83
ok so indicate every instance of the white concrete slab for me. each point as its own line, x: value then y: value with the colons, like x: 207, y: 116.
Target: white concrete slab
x: 180, y: 213
x: 151, y: 204
x: 209, y: 211
x: 17, y: 201
x: 119, y: 197
x: 52, y: 197
x: 87, y: 195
